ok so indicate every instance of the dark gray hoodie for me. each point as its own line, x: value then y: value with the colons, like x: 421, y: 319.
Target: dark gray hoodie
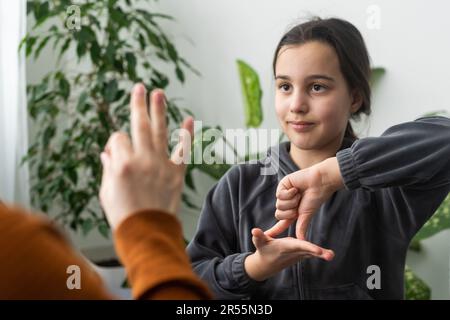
x: 394, y: 183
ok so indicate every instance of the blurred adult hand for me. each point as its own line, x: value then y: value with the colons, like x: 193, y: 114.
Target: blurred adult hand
x: 137, y: 173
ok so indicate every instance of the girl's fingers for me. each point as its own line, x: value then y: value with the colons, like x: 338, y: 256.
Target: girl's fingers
x: 287, y: 194
x: 284, y: 184
x: 308, y: 248
x: 305, y: 247
x: 327, y: 255
x: 290, y: 214
x: 302, y: 225
x: 292, y: 203
x: 259, y: 238
x: 278, y: 228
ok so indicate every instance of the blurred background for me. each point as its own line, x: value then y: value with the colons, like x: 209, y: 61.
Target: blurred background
x: 78, y: 80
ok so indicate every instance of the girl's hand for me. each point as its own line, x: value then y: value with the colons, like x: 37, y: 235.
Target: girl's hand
x: 273, y: 255
x: 301, y: 193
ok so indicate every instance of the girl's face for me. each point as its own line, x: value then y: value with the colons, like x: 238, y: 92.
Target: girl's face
x: 312, y: 100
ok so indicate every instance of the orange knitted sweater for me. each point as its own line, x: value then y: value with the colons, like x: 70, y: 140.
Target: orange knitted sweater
x: 35, y: 256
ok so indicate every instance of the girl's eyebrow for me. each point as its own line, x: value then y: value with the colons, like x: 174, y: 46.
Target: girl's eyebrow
x: 308, y: 78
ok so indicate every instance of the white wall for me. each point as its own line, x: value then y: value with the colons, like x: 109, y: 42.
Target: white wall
x: 412, y: 44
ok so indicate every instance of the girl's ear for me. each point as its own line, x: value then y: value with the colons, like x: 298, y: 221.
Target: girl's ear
x: 357, y: 101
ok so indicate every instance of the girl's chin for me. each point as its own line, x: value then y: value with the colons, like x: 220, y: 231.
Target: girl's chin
x: 302, y: 143
x: 301, y: 140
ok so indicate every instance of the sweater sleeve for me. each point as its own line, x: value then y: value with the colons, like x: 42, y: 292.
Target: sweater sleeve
x: 214, y: 250
x: 35, y: 258
x: 36, y: 261
x: 151, y: 246
x: 409, y: 164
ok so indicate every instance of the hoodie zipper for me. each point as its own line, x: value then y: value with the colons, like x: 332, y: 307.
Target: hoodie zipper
x: 300, y: 281
x: 298, y: 273
x: 301, y: 268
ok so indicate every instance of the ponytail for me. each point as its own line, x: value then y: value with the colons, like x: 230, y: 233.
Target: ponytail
x: 349, y: 133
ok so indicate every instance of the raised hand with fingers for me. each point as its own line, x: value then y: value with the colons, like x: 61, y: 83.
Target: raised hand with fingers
x: 138, y: 174
x: 300, y: 194
x: 273, y: 255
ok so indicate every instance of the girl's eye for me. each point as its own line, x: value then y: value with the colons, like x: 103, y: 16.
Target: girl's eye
x: 318, y: 88
x: 284, y: 87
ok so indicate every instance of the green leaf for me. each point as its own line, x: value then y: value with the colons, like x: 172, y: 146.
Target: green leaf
x: 30, y: 41
x: 103, y: 228
x: 118, y: 65
x: 110, y: 53
x: 173, y: 54
x: 64, y: 87
x: 49, y: 133
x: 180, y: 74
x: 30, y: 6
x: 437, y: 223
x: 41, y: 11
x: 87, y: 226
x: 81, y: 50
x: 72, y: 174
x: 252, y: 94
x: 152, y: 37
x: 95, y: 52
x: 141, y: 40
x: 415, y: 287
x: 443, y: 113
x: 215, y: 171
x: 41, y: 46
x: 64, y: 48
x: 188, y: 202
x: 415, y: 246
x: 187, y: 65
x: 82, y: 102
x: 376, y: 74
x: 159, y: 80
x: 131, y: 64
x: 110, y: 91
x: 118, y: 16
x: 86, y: 35
x: 189, y: 180
x: 162, y: 56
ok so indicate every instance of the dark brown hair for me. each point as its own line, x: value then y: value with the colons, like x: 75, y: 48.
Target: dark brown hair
x: 351, y: 51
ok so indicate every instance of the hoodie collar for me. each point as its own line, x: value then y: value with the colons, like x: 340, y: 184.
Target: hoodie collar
x: 281, y: 160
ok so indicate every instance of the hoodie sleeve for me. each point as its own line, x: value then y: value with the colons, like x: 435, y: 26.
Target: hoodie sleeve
x: 214, y: 250
x: 410, y: 166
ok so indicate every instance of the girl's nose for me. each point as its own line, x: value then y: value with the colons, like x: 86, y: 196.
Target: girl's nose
x: 299, y: 104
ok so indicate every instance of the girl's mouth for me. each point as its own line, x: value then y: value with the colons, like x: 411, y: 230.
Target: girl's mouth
x: 301, y: 126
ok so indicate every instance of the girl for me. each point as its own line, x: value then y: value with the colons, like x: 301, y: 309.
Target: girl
x: 364, y: 199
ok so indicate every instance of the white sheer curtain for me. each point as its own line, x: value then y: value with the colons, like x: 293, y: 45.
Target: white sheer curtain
x: 14, y: 186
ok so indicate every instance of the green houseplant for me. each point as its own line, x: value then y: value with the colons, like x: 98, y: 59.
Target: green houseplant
x: 75, y: 111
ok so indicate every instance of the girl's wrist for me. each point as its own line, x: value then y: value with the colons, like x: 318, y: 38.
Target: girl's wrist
x: 252, y: 266
x: 331, y: 174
